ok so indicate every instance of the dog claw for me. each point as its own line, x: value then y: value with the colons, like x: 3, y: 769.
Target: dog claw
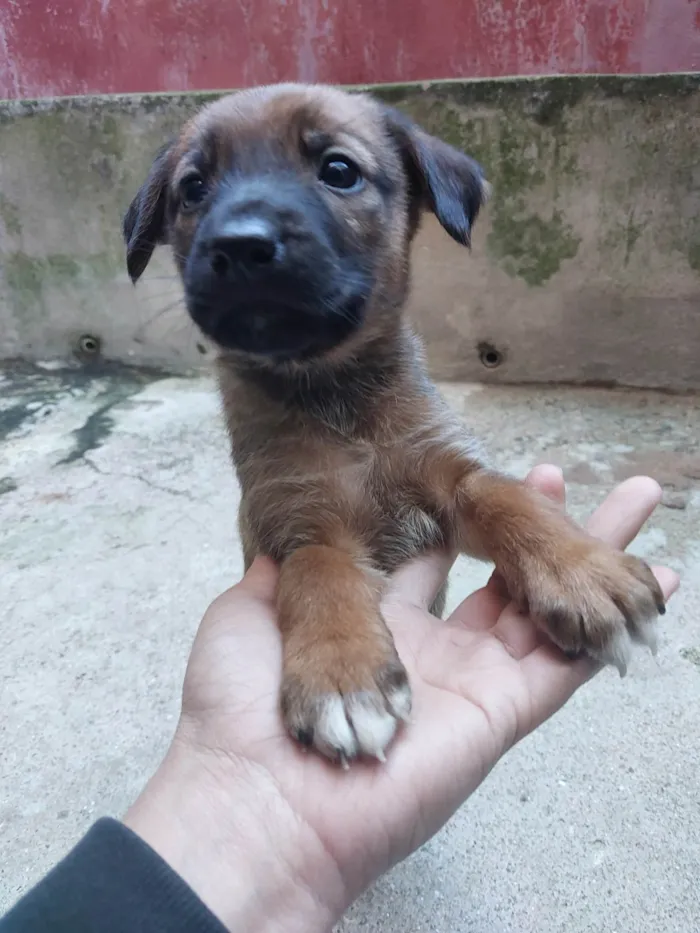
x: 305, y: 737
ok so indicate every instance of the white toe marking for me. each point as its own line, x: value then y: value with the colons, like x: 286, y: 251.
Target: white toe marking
x: 646, y: 632
x: 374, y: 726
x: 400, y: 702
x: 333, y: 729
x: 618, y: 650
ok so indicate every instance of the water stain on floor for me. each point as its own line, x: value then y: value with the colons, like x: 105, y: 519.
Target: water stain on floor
x: 29, y: 393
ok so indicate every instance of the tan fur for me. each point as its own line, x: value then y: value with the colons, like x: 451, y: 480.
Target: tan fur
x: 352, y: 464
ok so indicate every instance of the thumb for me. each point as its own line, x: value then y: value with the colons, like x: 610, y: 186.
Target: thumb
x: 260, y: 580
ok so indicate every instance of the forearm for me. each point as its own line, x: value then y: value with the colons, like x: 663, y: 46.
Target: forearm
x: 205, y: 848
x: 225, y: 829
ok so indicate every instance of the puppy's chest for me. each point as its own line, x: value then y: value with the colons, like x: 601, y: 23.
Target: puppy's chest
x: 403, y: 533
x: 393, y: 519
x: 299, y: 483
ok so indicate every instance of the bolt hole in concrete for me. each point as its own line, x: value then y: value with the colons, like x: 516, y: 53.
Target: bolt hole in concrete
x: 489, y: 355
x: 89, y: 345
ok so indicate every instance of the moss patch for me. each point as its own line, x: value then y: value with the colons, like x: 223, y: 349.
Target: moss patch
x: 530, y: 246
x: 9, y: 214
x: 602, y: 169
x: 529, y: 157
x: 28, y: 277
x: 694, y: 254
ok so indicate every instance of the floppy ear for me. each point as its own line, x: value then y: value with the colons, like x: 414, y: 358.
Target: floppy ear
x: 442, y: 179
x: 144, y: 222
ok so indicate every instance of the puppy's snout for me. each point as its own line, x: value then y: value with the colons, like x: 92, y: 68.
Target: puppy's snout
x: 270, y: 272
x: 252, y: 243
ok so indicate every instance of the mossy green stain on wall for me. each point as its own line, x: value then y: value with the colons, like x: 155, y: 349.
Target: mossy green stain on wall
x: 539, y: 141
x: 532, y: 247
x: 28, y: 278
x: 694, y: 254
x: 85, y: 133
x: 10, y: 216
x: 521, y: 152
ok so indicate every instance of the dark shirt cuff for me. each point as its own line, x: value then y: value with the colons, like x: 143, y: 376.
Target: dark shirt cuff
x: 112, y: 882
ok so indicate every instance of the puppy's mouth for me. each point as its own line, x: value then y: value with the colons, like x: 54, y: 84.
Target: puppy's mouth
x: 277, y: 329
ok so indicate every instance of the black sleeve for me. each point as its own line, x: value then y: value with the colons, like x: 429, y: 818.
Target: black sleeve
x: 112, y: 882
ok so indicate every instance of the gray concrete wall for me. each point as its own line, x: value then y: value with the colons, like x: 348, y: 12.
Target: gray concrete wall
x: 585, y: 266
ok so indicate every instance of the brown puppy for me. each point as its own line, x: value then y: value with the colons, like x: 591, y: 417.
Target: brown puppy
x: 290, y: 212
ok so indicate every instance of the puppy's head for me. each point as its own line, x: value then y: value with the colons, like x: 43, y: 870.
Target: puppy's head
x: 290, y: 210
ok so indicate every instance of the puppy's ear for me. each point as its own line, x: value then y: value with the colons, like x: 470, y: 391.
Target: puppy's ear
x: 144, y: 221
x: 441, y: 178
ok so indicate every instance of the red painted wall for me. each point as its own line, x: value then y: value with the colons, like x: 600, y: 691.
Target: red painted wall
x: 58, y: 47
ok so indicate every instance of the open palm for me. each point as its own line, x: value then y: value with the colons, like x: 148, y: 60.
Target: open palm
x: 481, y: 681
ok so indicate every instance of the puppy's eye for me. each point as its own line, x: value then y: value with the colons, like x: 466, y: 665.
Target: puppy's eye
x: 192, y: 191
x: 340, y: 172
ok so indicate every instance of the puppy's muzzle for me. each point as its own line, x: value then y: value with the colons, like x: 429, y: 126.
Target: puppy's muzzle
x: 268, y: 273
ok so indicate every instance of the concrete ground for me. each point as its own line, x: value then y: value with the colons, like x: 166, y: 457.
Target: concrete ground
x: 117, y: 527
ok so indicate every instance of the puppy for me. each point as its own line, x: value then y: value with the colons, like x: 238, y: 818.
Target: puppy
x: 290, y: 212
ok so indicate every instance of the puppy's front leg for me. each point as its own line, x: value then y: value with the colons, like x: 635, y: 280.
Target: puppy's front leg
x: 587, y: 596
x: 344, y: 688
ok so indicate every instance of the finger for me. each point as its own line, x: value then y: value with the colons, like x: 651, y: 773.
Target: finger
x: 260, y: 580
x: 420, y: 581
x: 479, y: 612
x: 517, y: 633
x: 669, y: 581
x: 619, y: 518
x: 552, y: 678
x: 520, y: 636
x: 549, y: 480
x: 258, y: 584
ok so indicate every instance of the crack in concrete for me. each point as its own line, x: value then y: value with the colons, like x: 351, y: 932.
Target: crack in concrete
x: 182, y: 493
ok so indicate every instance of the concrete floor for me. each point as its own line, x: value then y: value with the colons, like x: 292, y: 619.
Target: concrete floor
x: 117, y: 527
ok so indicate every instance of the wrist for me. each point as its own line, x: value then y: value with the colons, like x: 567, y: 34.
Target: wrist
x: 224, y: 827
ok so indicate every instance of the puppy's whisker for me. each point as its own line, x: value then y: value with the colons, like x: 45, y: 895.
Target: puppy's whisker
x: 143, y: 328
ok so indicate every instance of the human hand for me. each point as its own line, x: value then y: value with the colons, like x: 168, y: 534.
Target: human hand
x: 272, y: 837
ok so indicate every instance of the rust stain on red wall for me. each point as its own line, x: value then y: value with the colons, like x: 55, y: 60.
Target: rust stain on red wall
x: 58, y: 47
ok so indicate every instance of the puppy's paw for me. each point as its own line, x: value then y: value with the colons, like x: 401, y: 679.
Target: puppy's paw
x: 591, y: 599
x: 345, y: 712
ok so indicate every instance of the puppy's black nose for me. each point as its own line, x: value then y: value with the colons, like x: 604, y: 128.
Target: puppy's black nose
x: 248, y: 242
